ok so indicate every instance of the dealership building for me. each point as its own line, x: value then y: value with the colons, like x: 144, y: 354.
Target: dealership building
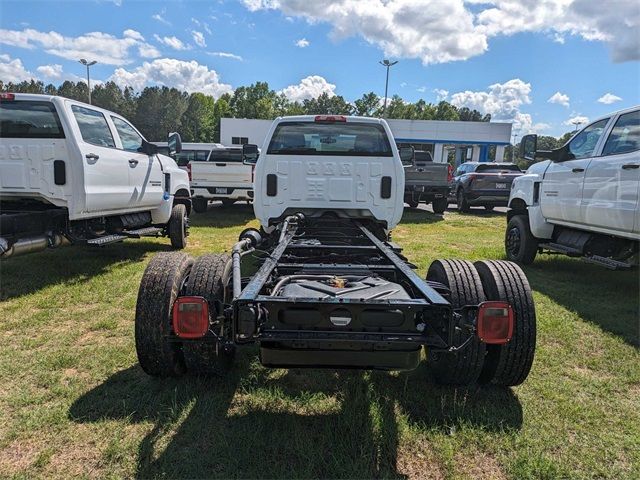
x: 459, y: 141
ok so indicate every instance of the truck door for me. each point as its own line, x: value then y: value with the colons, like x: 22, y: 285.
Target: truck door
x: 106, y: 176
x: 145, y: 171
x: 561, y: 192
x: 610, y: 194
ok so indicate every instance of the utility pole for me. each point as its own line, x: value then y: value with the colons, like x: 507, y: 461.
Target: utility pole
x: 88, y: 64
x: 387, y: 64
x: 513, y: 149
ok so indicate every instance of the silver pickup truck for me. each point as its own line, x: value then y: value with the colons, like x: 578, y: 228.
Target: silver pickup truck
x: 427, y: 181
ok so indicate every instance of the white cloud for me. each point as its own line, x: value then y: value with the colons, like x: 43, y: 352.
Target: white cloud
x: 577, y: 119
x: 437, y: 31
x: 13, y: 70
x: 172, y: 42
x: 148, y: 51
x: 441, y: 94
x: 160, y: 17
x: 503, y: 102
x: 203, y: 25
x: 559, y: 98
x: 421, y: 89
x: 609, y: 98
x: 232, y: 56
x: 310, y: 87
x: 50, y: 71
x: 187, y: 76
x: 302, y: 43
x: 198, y: 38
x: 103, y: 47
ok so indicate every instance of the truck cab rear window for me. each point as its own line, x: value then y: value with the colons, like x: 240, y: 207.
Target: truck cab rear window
x: 343, y: 139
x: 25, y: 119
x: 489, y: 168
x: 226, y: 156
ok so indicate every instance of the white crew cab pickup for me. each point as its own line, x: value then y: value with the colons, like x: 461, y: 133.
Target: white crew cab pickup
x: 72, y: 172
x: 583, y: 201
x: 222, y: 176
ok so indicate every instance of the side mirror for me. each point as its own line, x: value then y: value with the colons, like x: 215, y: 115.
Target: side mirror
x: 148, y: 148
x: 175, y: 143
x: 528, y: 147
x: 406, y: 155
x: 250, y: 154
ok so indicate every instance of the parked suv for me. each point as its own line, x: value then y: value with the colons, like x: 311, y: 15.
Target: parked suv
x: 483, y: 184
x: 583, y: 201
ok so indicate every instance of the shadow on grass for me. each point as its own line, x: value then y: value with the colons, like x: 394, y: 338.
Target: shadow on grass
x: 417, y: 216
x: 221, y: 217
x: 27, y: 274
x: 610, y: 299
x: 305, y: 424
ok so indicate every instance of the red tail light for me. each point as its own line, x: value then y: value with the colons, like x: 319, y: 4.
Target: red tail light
x: 495, y: 322
x: 189, y: 170
x: 330, y: 118
x: 7, y: 96
x: 449, y: 173
x: 190, y: 317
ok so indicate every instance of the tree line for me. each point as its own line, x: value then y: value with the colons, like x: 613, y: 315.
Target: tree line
x: 155, y: 111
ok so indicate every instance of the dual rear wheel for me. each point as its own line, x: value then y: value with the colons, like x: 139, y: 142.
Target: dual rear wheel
x: 471, y: 284
x: 167, y: 276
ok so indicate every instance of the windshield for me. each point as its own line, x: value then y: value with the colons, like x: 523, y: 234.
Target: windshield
x: 341, y: 138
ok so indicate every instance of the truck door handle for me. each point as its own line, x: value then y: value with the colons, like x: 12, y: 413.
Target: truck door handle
x: 133, y: 162
x: 630, y: 166
x: 91, y: 156
x: 577, y: 170
x: 221, y: 164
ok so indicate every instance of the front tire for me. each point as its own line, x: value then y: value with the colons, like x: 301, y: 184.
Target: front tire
x: 462, y: 203
x: 200, y: 205
x: 519, y: 243
x: 462, y: 367
x: 439, y: 205
x: 178, y: 225
x: 205, y: 280
x: 161, y: 283
x: 509, y: 364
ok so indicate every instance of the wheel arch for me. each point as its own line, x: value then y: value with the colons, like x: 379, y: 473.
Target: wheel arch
x: 183, y: 196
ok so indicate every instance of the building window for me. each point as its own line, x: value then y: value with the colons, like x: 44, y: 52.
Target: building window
x: 239, y: 140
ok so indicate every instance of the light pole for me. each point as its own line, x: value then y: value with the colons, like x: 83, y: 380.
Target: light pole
x: 387, y: 64
x: 513, y: 149
x: 576, y: 123
x: 88, y: 64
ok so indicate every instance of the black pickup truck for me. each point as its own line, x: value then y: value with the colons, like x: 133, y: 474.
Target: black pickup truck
x: 485, y: 184
x: 427, y: 181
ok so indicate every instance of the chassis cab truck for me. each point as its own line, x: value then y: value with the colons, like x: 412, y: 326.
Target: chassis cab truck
x: 75, y: 173
x: 322, y: 285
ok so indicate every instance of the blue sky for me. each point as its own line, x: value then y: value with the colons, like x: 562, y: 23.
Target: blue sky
x: 537, y: 63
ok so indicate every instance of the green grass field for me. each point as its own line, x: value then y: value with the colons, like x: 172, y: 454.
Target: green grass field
x: 74, y: 402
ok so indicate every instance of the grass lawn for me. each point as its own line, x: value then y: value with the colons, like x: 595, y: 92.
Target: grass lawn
x: 74, y: 402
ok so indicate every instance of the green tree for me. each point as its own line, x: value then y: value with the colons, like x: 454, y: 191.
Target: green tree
x: 74, y: 90
x: 254, y: 101
x: 112, y: 97
x: 159, y: 111
x: 326, y: 105
x: 222, y: 109
x: 368, y: 105
x: 26, y: 86
x: 198, y: 121
x: 396, y: 108
x: 446, y: 111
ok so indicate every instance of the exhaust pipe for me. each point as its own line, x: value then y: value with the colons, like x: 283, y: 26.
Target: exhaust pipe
x: 30, y: 244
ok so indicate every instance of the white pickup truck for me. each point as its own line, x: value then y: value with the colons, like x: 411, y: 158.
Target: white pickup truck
x: 583, y: 201
x: 74, y: 173
x: 222, y: 177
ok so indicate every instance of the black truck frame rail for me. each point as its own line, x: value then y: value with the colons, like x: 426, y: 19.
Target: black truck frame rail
x: 341, y: 248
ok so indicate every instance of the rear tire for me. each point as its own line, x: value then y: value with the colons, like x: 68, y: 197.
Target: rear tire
x: 509, y: 364
x: 439, y: 205
x: 178, y: 226
x: 161, y: 283
x: 461, y: 199
x: 413, y: 204
x: 200, y: 205
x: 205, y: 280
x: 462, y: 367
x: 519, y: 243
